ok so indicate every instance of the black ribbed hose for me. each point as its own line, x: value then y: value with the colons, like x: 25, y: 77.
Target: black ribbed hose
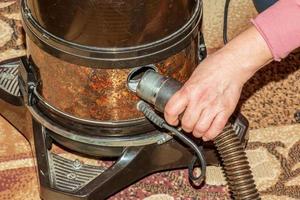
x: 236, y: 166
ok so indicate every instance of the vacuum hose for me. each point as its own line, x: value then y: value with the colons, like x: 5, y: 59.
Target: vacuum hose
x: 157, y: 90
x: 236, y: 165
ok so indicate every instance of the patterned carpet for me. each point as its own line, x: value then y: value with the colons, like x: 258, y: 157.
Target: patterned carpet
x: 269, y: 101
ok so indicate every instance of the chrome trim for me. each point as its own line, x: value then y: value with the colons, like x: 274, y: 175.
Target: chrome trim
x: 126, y: 141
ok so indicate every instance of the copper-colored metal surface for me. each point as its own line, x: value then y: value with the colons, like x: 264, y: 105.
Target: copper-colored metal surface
x: 95, y: 93
x: 121, y: 33
x: 236, y: 165
x: 107, y: 23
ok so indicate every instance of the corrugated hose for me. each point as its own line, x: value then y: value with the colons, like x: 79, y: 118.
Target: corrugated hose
x: 235, y: 164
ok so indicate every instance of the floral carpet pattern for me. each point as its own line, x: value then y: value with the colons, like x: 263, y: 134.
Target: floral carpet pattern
x: 269, y: 101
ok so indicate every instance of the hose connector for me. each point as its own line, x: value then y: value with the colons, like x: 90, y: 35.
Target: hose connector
x: 157, y: 89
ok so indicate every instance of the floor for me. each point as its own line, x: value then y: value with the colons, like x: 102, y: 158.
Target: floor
x: 269, y: 101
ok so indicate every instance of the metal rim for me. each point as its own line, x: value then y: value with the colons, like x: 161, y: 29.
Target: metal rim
x: 116, y: 57
x: 125, y: 141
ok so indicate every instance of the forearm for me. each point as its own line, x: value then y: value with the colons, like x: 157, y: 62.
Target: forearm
x: 276, y: 32
x: 246, y: 54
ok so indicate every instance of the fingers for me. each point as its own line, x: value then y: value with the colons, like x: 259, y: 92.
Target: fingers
x: 204, y: 122
x: 217, y: 126
x: 175, y: 106
x: 191, y: 116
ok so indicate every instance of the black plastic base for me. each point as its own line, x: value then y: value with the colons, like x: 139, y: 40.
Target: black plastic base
x: 134, y: 164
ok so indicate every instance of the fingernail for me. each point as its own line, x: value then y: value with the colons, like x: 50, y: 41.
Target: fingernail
x: 197, y: 134
x: 174, y: 123
x: 205, y: 139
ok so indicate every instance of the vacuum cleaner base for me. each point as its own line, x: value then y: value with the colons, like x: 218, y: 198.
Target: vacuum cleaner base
x: 64, y: 178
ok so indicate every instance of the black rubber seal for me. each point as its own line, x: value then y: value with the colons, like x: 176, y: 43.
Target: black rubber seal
x: 97, y: 57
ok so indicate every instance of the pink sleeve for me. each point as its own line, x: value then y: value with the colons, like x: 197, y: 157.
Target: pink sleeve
x: 280, y: 27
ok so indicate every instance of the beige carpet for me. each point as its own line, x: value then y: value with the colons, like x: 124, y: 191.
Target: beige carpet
x: 273, y: 153
x: 269, y: 100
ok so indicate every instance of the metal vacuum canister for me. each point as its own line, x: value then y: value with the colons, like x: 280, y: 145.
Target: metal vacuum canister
x: 83, y: 52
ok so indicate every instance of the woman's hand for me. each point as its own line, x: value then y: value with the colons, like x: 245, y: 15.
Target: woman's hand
x: 207, y: 99
x: 211, y: 94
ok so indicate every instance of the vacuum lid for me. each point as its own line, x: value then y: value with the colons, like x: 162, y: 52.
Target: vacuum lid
x: 112, y: 33
x: 111, y: 23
